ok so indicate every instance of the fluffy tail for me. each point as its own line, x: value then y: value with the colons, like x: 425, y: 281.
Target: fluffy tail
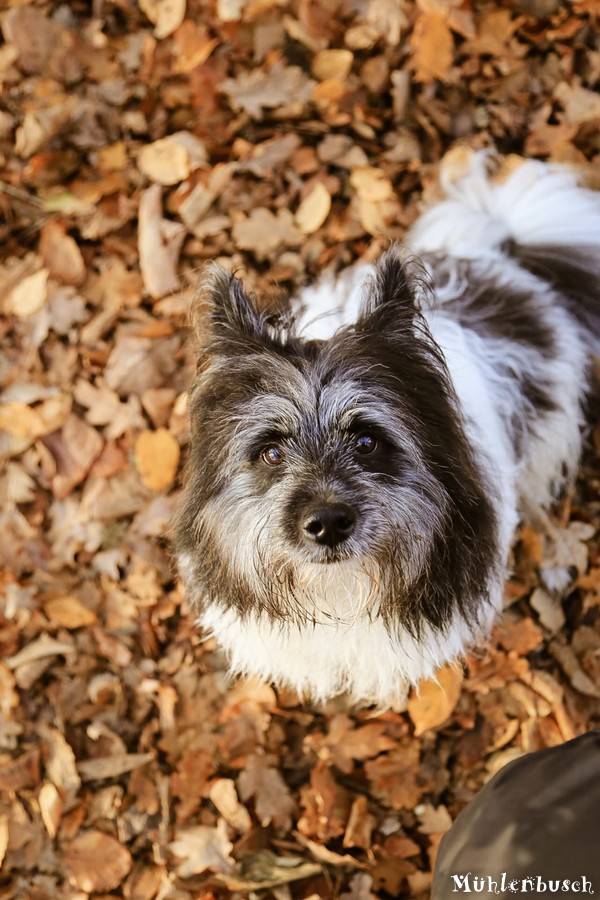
x: 536, y: 212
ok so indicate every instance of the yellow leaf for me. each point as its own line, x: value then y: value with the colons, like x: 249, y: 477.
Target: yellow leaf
x: 332, y: 64
x: 164, y: 162
x: 29, y: 296
x: 314, y: 209
x: 157, y: 458
x: 371, y: 184
x: 165, y: 15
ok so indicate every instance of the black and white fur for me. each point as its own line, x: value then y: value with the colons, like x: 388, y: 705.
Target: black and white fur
x: 357, y: 472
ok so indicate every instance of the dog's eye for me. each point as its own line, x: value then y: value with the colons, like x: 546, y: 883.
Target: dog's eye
x: 365, y: 443
x: 273, y: 455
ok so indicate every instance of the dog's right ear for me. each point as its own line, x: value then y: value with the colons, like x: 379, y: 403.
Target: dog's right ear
x: 223, y: 310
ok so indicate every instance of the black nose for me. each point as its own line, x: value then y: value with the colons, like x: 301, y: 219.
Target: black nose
x: 330, y: 524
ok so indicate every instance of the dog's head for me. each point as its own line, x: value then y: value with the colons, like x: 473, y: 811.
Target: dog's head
x: 328, y: 479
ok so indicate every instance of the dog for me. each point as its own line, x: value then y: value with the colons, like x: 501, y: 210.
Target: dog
x: 358, y: 466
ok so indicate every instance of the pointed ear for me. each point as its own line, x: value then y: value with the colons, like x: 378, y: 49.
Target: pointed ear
x: 223, y: 309
x: 392, y: 293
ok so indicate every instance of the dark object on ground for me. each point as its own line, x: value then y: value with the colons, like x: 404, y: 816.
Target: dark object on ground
x: 536, y: 823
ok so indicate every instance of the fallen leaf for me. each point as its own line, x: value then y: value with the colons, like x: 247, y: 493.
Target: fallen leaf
x: 332, y: 64
x: 61, y: 255
x: 95, y: 861
x: 263, y: 232
x: 224, y: 796
x: 272, y: 799
x: 112, y: 766
x: 74, y: 448
x: 314, y: 209
x: 165, y: 15
x: 521, y: 636
x: 43, y: 45
x: 257, y: 90
x: 159, y: 244
x: 172, y: 159
x: 326, y: 805
x: 549, y: 609
x: 29, y: 296
x: 51, y: 807
x: 19, y: 773
x: 202, y: 848
x: 324, y: 855
x: 157, y: 458
x: 394, y: 776
x: 433, y: 47
x: 265, y: 871
x: 433, y: 702
x: 69, y: 612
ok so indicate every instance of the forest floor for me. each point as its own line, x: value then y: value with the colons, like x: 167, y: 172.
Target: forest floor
x: 137, y: 141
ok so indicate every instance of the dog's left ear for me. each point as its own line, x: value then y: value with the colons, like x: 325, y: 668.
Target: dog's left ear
x: 391, y: 298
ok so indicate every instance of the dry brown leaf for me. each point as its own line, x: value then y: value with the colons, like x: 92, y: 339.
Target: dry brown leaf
x: 171, y: 160
x: 314, y: 209
x: 579, y: 103
x: 159, y: 244
x: 332, y: 64
x: 69, y: 612
x: 165, y: 15
x: 346, y: 742
x: 61, y: 255
x: 360, y: 827
x: 265, y: 871
x: 19, y: 773
x: 112, y: 766
x: 263, y: 233
x: 74, y: 448
x: 157, y: 458
x: 61, y: 767
x: 258, y: 89
x: 371, y: 184
x: 432, y: 46
x: 202, y: 848
x: 522, y: 636
x: 393, y: 776
x: 495, y: 28
x: 433, y: 702
x: 51, y: 807
x: 326, y: 805
x: 95, y: 861
x: 29, y: 295
x: 193, y: 45
x: 324, y: 855
x: 273, y: 802
x: 224, y: 796
x: 189, y: 781
x: 43, y: 45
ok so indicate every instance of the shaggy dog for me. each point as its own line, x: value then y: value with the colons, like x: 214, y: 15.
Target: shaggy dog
x: 357, y: 468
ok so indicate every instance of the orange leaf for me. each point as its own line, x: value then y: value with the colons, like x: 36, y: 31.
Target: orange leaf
x: 433, y: 703
x: 157, y: 458
x: 432, y: 46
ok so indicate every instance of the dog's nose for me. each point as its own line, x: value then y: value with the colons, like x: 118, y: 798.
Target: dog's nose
x: 330, y: 525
